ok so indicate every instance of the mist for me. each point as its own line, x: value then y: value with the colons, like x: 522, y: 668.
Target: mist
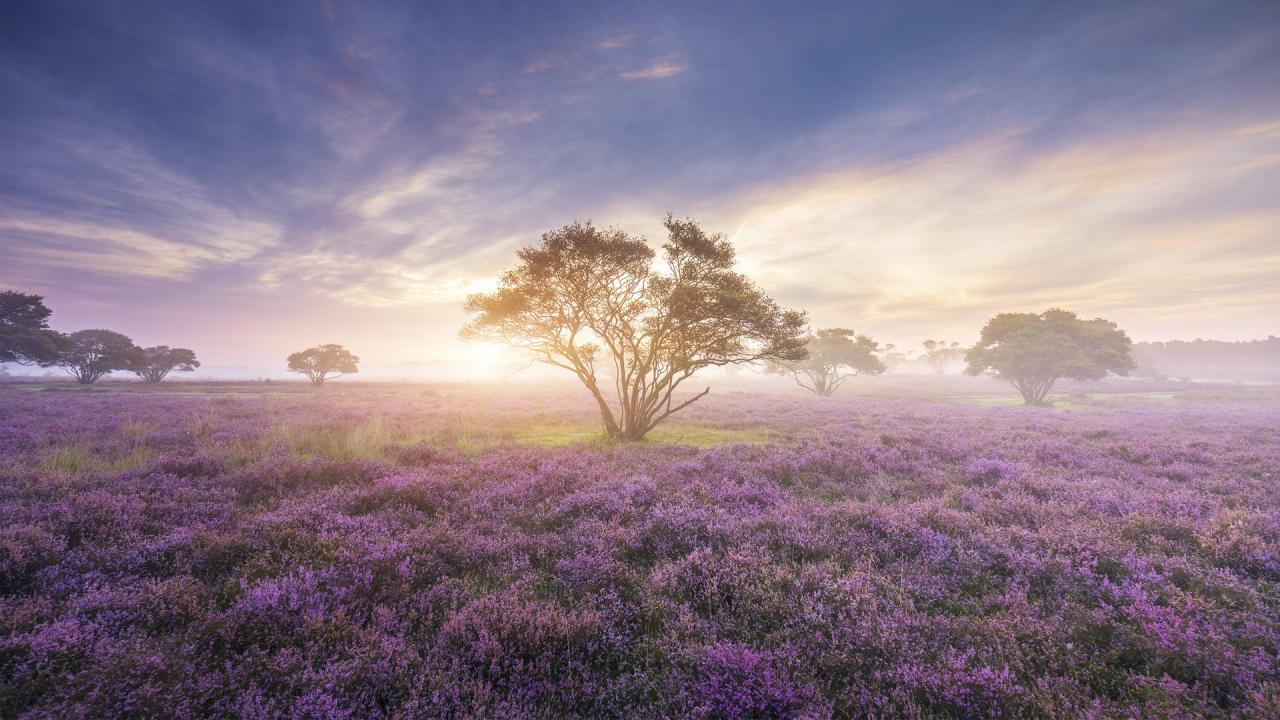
x: 829, y: 360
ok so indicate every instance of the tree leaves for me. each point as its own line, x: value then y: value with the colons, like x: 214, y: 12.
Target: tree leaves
x: 590, y: 300
x: 1033, y: 351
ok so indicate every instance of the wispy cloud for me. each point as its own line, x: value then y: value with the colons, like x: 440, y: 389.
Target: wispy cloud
x: 545, y: 63
x: 360, y: 156
x: 657, y: 71
x: 125, y: 252
x: 1130, y: 226
x: 614, y: 42
x: 126, y: 215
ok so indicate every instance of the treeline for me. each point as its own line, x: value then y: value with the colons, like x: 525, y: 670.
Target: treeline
x: 1251, y: 360
x: 633, y: 325
x: 86, y: 355
x: 90, y: 355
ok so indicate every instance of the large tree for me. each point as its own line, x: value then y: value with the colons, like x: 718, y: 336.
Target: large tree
x: 940, y: 354
x: 91, y: 354
x: 835, y: 355
x: 1033, y: 351
x: 594, y: 302
x: 324, y: 362
x: 25, y: 337
x: 153, y: 364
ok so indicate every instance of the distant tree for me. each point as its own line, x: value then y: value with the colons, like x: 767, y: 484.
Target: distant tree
x: 91, y: 354
x: 835, y: 355
x: 892, y: 357
x: 941, y: 354
x: 1033, y: 351
x: 590, y: 301
x: 25, y: 337
x: 324, y: 362
x: 1248, y: 360
x: 153, y: 364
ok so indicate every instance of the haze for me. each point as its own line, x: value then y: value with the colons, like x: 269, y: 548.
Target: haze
x: 250, y: 179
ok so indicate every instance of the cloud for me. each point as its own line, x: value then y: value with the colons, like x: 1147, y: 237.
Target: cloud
x: 123, y: 251
x: 545, y: 63
x: 430, y: 180
x: 614, y: 42
x: 124, y: 215
x: 656, y: 71
x: 1128, y: 225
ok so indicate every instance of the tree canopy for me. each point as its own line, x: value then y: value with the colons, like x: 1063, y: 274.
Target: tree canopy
x: 25, y: 337
x: 834, y: 356
x: 91, y: 354
x: 590, y: 300
x: 892, y: 357
x: 324, y: 362
x: 1033, y: 351
x: 940, y: 354
x: 153, y: 364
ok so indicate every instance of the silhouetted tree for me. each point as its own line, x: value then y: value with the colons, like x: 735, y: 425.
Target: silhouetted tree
x: 25, y: 337
x: 589, y: 300
x: 324, y: 362
x: 892, y: 357
x: 940, y: 354
x: 835, y: 355
x: 1033, y: 351
x: 91, y: 354
x: 153, y: 364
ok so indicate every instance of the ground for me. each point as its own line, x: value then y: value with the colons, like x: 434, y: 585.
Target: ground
x: 920, y: 547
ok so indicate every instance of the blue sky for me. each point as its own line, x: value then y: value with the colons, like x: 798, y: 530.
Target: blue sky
x: 246, y: 178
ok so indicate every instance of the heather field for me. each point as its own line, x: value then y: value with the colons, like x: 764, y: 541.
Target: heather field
x: 414, y: 551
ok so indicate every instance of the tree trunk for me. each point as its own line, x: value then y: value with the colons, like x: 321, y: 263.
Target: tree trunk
x: 1034, y: 391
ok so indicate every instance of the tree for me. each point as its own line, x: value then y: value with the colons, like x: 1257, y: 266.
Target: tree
x: 25, y: 337
x: 91, y: 354
x: 591, y: 301
x: 1033, y: 351
x: 835, y: 355
x: 892, y: 357
x: 154, y: 363
x: 940, y: 354
x: 323, y: 362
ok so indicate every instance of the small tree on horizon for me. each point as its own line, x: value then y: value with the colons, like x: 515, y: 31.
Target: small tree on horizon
x: 835, y: 355
x: 1033, y: 351
x: 91, y: 354
x: 940, y: 354
x: 25, y: 337
x: 323, y: 362
x: 892, y: 357
x: 589, y: 300
x: 153, y: 364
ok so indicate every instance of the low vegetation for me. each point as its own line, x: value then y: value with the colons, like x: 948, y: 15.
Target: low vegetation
x: 414, y: 552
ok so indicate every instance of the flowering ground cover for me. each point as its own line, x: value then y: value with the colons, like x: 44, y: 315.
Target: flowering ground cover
x: 407, y: 551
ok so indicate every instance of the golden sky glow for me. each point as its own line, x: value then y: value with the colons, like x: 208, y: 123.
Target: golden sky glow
x: 356, y: 182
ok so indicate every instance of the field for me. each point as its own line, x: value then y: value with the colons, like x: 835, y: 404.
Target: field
x: 425, y: 551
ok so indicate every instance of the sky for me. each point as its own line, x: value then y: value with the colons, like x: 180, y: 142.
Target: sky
x: 250, y: 178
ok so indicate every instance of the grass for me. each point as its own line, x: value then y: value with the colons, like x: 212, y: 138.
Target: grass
x: 68, y: 460
x: 367, y: 440
x: 694, y: 435
x: 376, y: 438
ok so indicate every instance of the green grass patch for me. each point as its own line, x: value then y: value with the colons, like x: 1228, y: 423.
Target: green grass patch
x: 71, y: 460
x: 694, y: 435
x: 365, y: 440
